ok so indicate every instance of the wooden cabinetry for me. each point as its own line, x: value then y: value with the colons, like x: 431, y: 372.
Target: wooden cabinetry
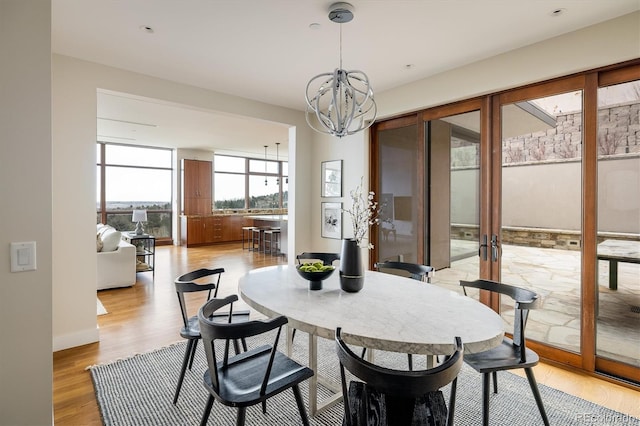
x: 196, y: 188
x: 232, y: 228
x: 213, y: 229
x: 202, y: 230
x: 192, y: 231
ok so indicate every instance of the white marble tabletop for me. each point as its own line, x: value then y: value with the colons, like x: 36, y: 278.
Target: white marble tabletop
x: 390, y: 313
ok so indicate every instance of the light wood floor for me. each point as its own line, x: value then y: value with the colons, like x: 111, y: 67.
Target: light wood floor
x: 146, y: 317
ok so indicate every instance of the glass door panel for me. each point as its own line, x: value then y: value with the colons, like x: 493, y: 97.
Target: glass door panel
x: 453, y: 166
x: 398, y: 234
x: 618, y: 251
x: 540, y: 236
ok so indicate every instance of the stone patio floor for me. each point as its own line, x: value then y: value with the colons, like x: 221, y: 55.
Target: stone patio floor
x: 555, y: 275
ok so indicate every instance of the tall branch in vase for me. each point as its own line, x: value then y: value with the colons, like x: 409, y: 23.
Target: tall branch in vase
x: 364, y: 212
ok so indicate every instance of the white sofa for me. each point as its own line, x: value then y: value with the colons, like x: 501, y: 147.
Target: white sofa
x: 116, y: 268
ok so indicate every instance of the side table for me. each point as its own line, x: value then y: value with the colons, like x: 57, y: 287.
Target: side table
x: 145, y: 251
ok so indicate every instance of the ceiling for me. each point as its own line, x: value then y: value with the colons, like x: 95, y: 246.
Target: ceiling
x: 267, y: 50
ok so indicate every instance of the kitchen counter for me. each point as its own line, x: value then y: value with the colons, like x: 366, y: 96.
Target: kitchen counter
x: 270, y: 217
x: 253, y: 215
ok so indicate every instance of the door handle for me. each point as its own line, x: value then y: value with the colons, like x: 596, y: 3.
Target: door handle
x: 482, y: 250
x: 494, y: 248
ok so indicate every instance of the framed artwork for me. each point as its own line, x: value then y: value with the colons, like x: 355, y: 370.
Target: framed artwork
x: 332, y: 220
x: 332, y: 178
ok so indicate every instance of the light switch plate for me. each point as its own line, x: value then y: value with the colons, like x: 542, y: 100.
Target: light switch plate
x: 23, y: 256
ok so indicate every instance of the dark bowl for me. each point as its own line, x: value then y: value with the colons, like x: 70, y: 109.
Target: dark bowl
x: 315, y: 278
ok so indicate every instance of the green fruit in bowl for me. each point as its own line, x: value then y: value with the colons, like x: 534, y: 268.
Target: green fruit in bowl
x: 315, y: 267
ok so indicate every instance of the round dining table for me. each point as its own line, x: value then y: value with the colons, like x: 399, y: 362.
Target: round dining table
x: 390, y: 313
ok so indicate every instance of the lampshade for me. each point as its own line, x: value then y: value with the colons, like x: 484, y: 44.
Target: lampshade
x: 139, y: 216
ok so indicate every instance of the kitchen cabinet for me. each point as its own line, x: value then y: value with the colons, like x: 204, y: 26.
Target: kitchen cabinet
x: 203, y: 230
x: 196, y: 187
x: 192, y: 231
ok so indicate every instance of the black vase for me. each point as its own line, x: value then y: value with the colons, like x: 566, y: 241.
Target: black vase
x: 351, y: 274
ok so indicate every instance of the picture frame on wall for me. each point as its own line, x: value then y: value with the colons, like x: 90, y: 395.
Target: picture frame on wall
x: 331, y: 220
x: 332, y: 178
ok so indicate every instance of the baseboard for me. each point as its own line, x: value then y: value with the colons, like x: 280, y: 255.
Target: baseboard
x: 72, y: 340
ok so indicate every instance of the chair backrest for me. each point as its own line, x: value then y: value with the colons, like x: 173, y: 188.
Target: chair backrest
x: 416, y: 271
x: 213, y: 329
x: 398, y: 383
x: 525, y: 300
x: 186, y: 284
x: 326, y: 258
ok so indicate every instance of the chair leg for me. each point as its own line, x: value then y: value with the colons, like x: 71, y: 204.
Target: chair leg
x: 410, y: 359
x: 185, y: 362
x: 364, y: 351
x: 242, y: 415
x: 207, y: 411
x: 452, y: 401
x: 193, y: 353
x: 486, y: 378
x: 495, y: 382
x: 536, y: 394
x: 303, y: 412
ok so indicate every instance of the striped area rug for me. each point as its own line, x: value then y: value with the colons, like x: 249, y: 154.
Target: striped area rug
x: 139, y: 391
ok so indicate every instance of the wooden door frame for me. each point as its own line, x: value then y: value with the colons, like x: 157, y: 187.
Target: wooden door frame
x: 374, y: 176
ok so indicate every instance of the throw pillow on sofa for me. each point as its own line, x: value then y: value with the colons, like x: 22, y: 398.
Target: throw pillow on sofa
x: 99, y: 243
x: 110, y: 238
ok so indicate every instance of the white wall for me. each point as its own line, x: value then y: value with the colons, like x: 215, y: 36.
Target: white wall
x: 75, y: 83
x: 607, y: 43
x: 353, y: 152
x: 25, y: 211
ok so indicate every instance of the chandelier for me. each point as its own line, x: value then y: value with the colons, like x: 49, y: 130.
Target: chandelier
x: 340, y: 103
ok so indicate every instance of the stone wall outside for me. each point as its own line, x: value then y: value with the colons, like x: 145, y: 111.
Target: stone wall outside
x: 618, y: 134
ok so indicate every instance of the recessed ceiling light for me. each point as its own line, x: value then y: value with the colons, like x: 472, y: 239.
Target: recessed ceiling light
x: 558, y: 12
x: 147, y: 29
x: 314, y: 26
x: 409, y: 66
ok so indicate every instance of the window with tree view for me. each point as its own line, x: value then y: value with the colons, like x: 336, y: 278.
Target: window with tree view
x: 241, y: 183
x: 134, y: 178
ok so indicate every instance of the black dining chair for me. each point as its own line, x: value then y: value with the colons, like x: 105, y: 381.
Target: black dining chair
x: 191, y: 328
x: 251, y: 377
x: 397, y: 397
x: 412, y: 270
x: 512, y: 353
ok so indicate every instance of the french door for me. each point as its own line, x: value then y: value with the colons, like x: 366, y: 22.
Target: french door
x: 540, y: 226
x: 531, y: 187
x: 569, y: 185
x: 428, y: 174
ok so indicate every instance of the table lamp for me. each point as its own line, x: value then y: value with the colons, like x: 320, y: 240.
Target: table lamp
x: 139, y: 216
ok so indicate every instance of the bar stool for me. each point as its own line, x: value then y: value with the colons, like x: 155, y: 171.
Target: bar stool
x: 247, y: 232
x: 257, y: 235
x: 271, y: 237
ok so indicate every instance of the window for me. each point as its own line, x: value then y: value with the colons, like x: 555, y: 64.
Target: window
x: 229, y: 190
x: 241, y: 183
x: 134, y: 177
